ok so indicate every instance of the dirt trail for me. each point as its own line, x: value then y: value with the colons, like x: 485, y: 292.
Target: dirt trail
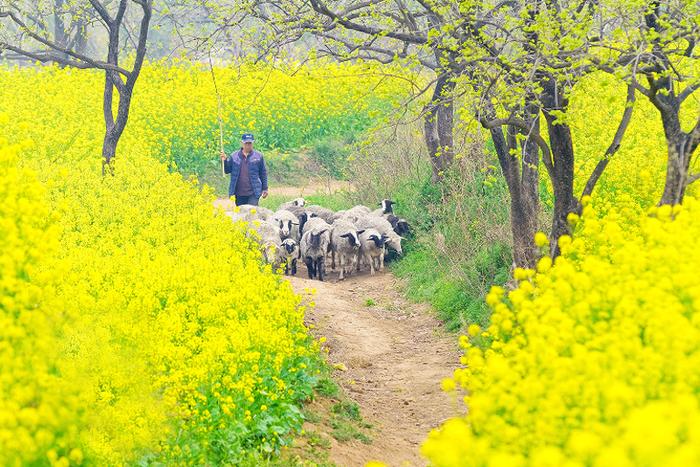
x: 396, y: 354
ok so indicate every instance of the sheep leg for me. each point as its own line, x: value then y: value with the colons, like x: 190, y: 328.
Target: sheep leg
x: 351, y: 264
x: 341, y: 260
x: 381, y: 260
x: 370, y: 260
x: 294, y: 267
x: 321, y: 267
x: 309, y: 267
x: 333, y: 260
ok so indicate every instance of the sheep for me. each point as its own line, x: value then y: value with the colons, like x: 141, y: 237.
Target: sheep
x: 345, y: 242
x: 288, y: 223
x: 288, y: 254
x: 384, y: 227
x: 338, y: 215
x: 315, y: 223
x: 400, y: 225
x: 270, y: 239
x: 386, y: 208
x: 313, y: 248
x: 372, y: 249
x: 352, y: 214
x: 301, y: 214
x: 248, y: 212
x: 297, y: 202
x: 324, y: 213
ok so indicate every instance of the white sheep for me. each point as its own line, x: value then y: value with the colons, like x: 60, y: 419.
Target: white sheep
x: 372, y: 249
x: 384, y: 227
x: 352, y: 214
x: 313, y: 247
x: 297, y: 202
x: 315, y: 223
x: 248, y: 213
x: 288, y: 255
x: 324, y: 213
x: 288, y: 223
x: 386, y: 208
x: 345, y: 243
x: 270, y: 239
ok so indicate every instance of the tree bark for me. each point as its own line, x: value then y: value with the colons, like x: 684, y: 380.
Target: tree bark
x: 680, y: 148
x: 522, y: 180
x: 563, y: 181
x: 439, y: 126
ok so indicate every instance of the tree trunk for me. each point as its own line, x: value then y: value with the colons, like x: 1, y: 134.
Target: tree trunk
x: 676, y: 170
x: 680, y: 148
x: 530, y: 195
x: 109, y: 149
x: 438, y: 128
x: 523, y: 190
x: 114, y: 126
x: 59, y: 28
x: 563, y: 180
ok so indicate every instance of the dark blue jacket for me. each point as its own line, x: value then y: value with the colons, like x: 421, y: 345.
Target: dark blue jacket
x: 256, y: 169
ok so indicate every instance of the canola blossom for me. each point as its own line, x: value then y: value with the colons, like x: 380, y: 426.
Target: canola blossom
x: 137, y: 325
x: 592, y: 360
x: 174, y: 108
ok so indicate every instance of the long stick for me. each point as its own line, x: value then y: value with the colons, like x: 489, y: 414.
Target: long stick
x: 218, y: 102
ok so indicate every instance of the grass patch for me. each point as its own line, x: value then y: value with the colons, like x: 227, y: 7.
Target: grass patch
x: 345, y: 431
x: 327, y: 387
x: 347, y: 409
x: 458, y: 298
x: 336, y: 201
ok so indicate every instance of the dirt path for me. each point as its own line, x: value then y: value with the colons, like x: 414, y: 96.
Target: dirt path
x: 395, y: 353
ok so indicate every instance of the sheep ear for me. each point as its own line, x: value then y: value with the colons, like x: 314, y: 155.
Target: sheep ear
x: 346, y: 235
x: 295, y: 223
x: 360, y: 232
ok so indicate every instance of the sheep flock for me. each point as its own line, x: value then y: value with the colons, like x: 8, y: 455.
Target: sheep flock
x: 350, y: 239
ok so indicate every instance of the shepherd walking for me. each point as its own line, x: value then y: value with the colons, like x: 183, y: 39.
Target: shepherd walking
x: 248, y: 173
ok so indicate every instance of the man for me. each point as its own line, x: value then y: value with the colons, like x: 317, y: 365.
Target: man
x: 248, y: 173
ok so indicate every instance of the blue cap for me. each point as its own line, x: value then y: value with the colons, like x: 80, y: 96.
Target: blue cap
x: 247, y: 138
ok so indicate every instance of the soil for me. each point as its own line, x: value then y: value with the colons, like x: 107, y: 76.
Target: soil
x: 392, y: 356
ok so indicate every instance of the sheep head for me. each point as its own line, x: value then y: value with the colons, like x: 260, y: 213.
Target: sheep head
x: 289, y: 245
x: 315, y: 237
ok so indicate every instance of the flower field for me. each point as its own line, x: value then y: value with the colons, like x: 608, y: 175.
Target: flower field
x: 174, y: 114
x: 139, y: 327
x: 135, y: 326
x: 592, y: 360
